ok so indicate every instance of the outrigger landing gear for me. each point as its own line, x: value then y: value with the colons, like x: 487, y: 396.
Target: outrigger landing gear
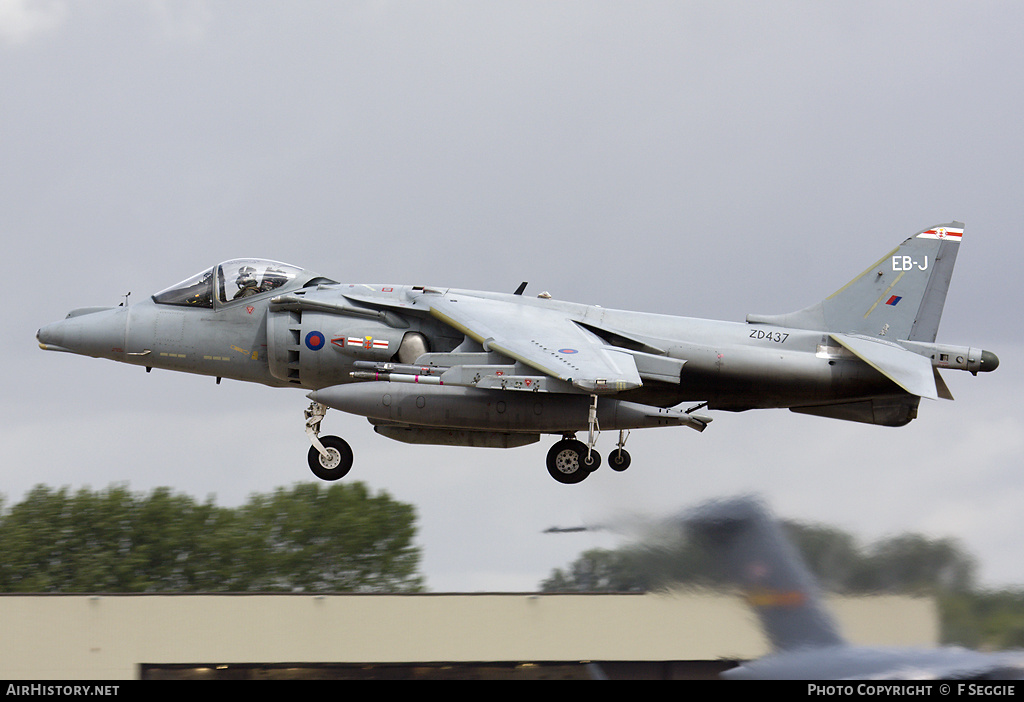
x: 330, y: 457
x: 619, y: 459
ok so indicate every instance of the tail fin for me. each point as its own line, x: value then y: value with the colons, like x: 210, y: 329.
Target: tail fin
x: 759, y: 559
x: 900, y: 296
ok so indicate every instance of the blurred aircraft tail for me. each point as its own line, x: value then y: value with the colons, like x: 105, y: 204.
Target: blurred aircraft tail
x: 900, y: 296
x: 760, y: 560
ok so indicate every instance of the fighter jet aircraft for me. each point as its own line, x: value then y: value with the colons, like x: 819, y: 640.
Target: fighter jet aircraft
x: 805, y: 639
x: 434, y: 365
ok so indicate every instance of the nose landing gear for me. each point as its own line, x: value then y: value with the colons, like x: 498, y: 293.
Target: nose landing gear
x: 330, y: 457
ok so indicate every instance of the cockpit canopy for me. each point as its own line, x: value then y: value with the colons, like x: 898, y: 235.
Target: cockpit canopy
x: 233, y: 280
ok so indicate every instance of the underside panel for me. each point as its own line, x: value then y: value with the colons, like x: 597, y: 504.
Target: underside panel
x: 888, y: 412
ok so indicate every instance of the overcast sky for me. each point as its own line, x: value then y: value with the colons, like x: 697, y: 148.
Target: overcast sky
x: 706, y: 159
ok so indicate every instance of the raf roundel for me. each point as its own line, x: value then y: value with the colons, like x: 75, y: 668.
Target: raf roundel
x: 315, y: 341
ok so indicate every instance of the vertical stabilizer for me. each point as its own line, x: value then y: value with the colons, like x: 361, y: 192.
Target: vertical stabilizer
x: 764, y: 564
x: 900, y: 296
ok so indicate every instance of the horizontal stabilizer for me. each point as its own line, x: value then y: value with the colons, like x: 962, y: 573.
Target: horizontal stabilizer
x: 909, y: 370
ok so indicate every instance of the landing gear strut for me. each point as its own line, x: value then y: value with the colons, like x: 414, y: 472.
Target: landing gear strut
x: 330, y: 457
x: 570, y: 461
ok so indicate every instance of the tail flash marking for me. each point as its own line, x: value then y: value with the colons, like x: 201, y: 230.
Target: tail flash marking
x: 947, y: 233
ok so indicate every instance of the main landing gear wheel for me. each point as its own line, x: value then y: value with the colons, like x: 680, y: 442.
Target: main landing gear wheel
x: 619, y: 459
x: 569, y: 461
x: 336, y: 464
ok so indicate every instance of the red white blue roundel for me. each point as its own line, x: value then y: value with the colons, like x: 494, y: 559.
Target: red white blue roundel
x: 567, y: 351
x: 315, y: 340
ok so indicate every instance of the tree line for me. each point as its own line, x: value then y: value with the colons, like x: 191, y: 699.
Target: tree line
x: 308, y: 538
x: 900, y: 564
x: 342, y: 538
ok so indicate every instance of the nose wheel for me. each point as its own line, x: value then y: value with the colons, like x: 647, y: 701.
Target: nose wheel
x: 334, y: 462
x: 330, y: 457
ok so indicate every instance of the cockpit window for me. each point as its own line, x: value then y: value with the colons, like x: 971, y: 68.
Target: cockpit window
x: 235, y: 280
x: 243, y: 278
x: 197, y: 291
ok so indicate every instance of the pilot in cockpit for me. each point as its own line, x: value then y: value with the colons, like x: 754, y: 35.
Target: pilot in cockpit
x: 273, y: 278
x: 247, y: 283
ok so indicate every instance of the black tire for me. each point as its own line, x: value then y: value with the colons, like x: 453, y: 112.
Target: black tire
x: 338, y: 462
x: 619, y: 459
x: 566, y: 461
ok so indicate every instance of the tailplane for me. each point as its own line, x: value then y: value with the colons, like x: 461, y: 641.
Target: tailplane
x: 900, y: 296
x: 760, y: 560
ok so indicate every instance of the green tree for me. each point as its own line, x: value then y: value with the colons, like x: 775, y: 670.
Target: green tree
x: 308, y: 538
x: 317, y: 539
x: 905, y: 563
x: 657, y: 563
x: 598, y: 570
x: 913, y: 563
x: 990, y: 620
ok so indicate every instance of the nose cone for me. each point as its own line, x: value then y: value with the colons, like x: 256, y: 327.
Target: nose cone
x: 90, y: 332
x: 51, y: 337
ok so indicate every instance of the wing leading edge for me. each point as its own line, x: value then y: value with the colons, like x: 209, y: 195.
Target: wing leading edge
x: 542, y: 339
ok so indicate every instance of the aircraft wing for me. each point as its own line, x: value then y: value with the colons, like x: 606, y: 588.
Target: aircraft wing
x: 543, y: 339
x: 912, y: 372
x: 846, y: 662
x: 947, y: 663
